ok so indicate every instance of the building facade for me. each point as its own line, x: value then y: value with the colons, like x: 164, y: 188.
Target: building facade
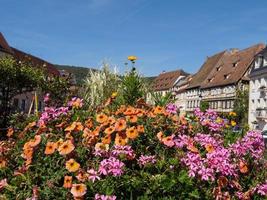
x: 258, y: 92
x: 220, y: 77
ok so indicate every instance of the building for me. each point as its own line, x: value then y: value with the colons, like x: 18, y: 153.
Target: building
x: 193, y: 91
x: 258, y: 92
x: 220, y: 77
x: 23, y: 102
x: 180, y: 93
x: 166, y: 82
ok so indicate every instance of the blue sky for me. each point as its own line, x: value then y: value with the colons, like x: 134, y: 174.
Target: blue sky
x: 163, y: 34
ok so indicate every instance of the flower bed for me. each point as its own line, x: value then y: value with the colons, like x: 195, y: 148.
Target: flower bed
x: 140, y: 152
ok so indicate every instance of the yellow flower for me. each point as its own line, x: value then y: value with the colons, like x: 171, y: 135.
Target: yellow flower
x: 114, y: 94
x: 132, y: 58
x: 232, y: 114
x: 72, y: 165
x: 233, y: 123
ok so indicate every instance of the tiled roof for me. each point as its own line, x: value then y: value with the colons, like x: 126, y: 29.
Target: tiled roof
x: 166, y: 80
x: 232, y: 67
x: 205, y: 69
x: 35, y: 61
x: 4, y: 45
x: 22, y: 56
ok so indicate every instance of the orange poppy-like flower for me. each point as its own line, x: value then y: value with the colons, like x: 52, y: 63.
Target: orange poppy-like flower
x: 34, y: 142
x: 89, y: 123
x: 132, y: 118
x: 82, y: 176
x: 192, y: 148
x: 101, y: 146
x: 158, y: 110
x: 132, y: 132
x: 106, y: 139
x: 109, y: 130
x: 96, y: 131
x: 243, y: 167
x: 140, y: 129
x: 209, y: 148
x: 222, y: 181
x: 72, y: 165
x: 68, y: 136
x: 50, y: 148
x: 120, y: 140
x: 78, y: 190
x: 101, y: 118
x: 67, y: 182
x: 10, y: 132
x: 111, y: 120
x: 75, y: 126
x: 168, y: 141
x: 129, y: 111
x: 59, y: 142
x: 27, y: 153
x: 66, y: 147
x: 120, y: 125
x: 71, y: 127
x: 160, y: 136
x: 87, y: 132
x: 2, y: 163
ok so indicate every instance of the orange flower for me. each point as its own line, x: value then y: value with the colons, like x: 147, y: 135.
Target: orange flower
x: 89, y: 123
x: 101, y: 118
x: 109, y: 130
x: 132, y: 133
x: 140, y: 129
x: 78, y: 190
x: 34, y: 142
x: 120, y: 125
x: 66, y: 147
x: 111, y: 120
x: 67, y: 182
x: 96, y: 131
x: 82, y: 176
x: 106, y: 139
x: 160, y: 136
x: 10, y: 132
x: 209, y: 148
x: 27, y: 153
x: 59, y: 142
x: 75, y: 126
x: 72, y: 165
x: 129, y: 111
x: 168, y: 141
x: 158, y: 110
x: 132, y: 118
x: 50, y: 148
x: 243, y: 167
x: 2, y: 163
x: 192, y: 148
x: 120, y: 140
x: 101, y: 146
x: 222, y: 181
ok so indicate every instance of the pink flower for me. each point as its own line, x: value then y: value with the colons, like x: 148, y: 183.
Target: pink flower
x: 93, y: 175
x: 262, y: 189
x: 111, y: 166
x: 3, y: 183
x: 171, y: 108
x: 123, y: 150
x: 144, y: 160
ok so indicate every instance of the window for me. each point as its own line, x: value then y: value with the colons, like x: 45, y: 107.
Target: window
x: 259, y: 62
x: 23, y: 104
x: 210, y: 79
x: 234, y: 64
x: 265, y: 62
x: 226, y: 76
x: 219, y: 68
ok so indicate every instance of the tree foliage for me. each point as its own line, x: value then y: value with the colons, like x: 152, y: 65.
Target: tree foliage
x: 241, y: 106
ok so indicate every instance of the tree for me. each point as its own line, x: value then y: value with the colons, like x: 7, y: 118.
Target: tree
x: 241, y: 106
x: 20, y: 77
